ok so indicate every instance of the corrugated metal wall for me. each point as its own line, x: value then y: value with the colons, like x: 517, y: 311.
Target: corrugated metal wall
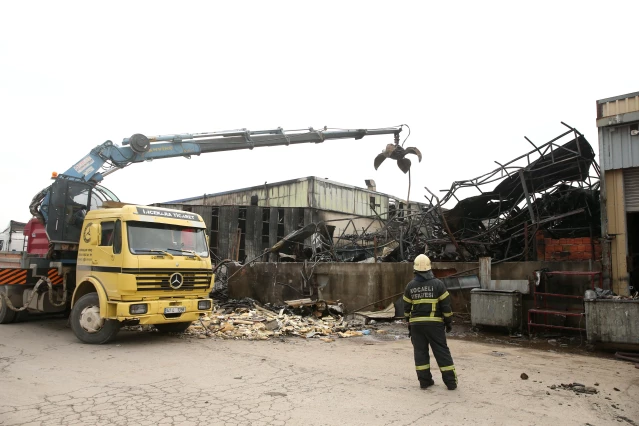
x: 327, y: 195
x: 620, y: 106
x: 288, y: 194
x: 618, y: 149
x: 308, y: 192
x: 617, y: 118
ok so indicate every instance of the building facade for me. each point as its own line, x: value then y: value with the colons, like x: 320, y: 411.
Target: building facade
x: 243, y: 223
x: 618, y: 128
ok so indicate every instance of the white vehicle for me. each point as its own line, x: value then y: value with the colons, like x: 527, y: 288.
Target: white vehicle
x: 12, y: 238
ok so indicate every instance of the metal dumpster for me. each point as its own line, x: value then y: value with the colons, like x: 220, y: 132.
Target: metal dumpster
x: 495, y: 308
x: 612, y: 321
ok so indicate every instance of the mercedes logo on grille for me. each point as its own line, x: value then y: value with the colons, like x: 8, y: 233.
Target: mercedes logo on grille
x: 176, y: 280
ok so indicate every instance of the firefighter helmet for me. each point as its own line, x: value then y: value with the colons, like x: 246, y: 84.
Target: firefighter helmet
x: 422, y: 263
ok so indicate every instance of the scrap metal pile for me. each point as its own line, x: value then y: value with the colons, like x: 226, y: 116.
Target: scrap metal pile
x: 552, y: 191
x: 554, y: 188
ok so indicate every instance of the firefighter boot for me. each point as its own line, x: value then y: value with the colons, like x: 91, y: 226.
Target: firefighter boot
x: 425, y: 384
x: 449, y: 376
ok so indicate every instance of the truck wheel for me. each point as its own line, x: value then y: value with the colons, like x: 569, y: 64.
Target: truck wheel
x: 173, y: 327
x: 6, y: 314
x: 87, y: 324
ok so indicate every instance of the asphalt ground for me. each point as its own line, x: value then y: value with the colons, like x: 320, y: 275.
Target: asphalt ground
x: 143, y: 378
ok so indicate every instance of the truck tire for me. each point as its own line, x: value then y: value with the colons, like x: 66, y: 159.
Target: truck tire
x: 87, y: 324
x: 173, y: 327
x: 7, y: 315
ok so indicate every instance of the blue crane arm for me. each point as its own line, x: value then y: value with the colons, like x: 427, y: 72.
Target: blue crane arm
x: 109, y: 157
x: 79, y: 184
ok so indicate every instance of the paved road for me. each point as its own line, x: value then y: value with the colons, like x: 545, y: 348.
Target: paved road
x: 49, y: 378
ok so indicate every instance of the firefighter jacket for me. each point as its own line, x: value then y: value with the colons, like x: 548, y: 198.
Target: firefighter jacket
x: 426, y: 300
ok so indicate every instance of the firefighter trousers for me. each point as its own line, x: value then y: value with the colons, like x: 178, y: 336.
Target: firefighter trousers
x: 433, y: 335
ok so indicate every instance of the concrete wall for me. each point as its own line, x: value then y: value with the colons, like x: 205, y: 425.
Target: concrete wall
x: 612, y: 321
x: 355, y: 284
x: 358, y: 284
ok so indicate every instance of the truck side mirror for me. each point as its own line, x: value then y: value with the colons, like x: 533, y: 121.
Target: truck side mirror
x: 91, y: 233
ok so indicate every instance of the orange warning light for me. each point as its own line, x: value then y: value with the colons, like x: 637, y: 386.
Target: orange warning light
x: 54, y: 175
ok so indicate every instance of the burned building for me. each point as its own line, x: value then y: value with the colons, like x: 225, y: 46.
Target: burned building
x: 543, y: 205
x: 306, y: 218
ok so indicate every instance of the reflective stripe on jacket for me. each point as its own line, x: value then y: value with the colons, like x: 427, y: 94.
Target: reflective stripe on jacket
x: 426, y: 300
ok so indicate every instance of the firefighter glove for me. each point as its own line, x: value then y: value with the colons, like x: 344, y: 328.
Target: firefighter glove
x: 449, y: 328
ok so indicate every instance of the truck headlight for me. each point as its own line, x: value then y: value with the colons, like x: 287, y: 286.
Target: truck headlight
x: 204, y: 305
x: 140, y: 308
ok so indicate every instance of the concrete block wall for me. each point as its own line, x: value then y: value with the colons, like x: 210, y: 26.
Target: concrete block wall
x: 358, y: 284
x: 567, y: 249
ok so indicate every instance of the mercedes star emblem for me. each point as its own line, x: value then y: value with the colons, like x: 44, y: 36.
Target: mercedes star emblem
x: 176, y: 280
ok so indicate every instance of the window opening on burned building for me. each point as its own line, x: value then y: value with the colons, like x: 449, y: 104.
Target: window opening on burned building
x: 215, y: 225
x: 266, y: 222
x: 241, y: 221
x: 280, y: 224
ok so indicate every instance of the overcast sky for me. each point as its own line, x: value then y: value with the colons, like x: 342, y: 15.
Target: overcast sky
x: 470, y: 78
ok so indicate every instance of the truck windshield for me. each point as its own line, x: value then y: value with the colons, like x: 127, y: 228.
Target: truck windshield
x: 151, y: 238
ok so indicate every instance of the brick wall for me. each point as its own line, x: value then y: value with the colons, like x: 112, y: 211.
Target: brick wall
x: 566, y: 249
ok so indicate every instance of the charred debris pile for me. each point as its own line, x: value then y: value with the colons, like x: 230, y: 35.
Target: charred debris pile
x: 553, y: 188
x: 246, y: 319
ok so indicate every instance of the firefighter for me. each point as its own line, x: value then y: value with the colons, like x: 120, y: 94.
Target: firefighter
x: 427, y: 309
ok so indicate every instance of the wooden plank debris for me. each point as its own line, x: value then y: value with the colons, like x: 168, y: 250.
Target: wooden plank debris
x: 259, y: 323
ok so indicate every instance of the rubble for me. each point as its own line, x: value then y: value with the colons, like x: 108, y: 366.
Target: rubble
x: 575, y: 387
x: 388, y: 314
x: 254, y: 322
x: 599, y: 293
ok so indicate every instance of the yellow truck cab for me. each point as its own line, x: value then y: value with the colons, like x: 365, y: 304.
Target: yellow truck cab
x: 140, y: 265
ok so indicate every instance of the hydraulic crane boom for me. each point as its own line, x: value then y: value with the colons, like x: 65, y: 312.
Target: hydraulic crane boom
x: 61, y: 206
x: 139, y: 148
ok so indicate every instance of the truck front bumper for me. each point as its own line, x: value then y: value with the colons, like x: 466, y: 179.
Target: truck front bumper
x: 163, y: 311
